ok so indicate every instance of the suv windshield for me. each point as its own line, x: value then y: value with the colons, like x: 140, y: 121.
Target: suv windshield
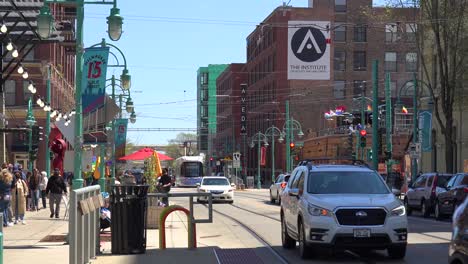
x: 442, y: 180
x: 215, y: 182
x: 335, y: 182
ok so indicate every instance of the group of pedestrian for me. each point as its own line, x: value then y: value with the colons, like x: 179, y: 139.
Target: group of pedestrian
x: 21, y: 192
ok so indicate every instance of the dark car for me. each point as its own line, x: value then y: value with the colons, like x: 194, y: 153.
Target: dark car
x: 458, y: 248
x: 422, y: 194
x: 447, y: 202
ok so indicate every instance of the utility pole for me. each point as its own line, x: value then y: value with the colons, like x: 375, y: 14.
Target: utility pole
x: 363, y: 119
x: 375, y: 113
x: 388, y: 122
x: 288, y: 139
x: 47, y: 127
x: 415, y: 126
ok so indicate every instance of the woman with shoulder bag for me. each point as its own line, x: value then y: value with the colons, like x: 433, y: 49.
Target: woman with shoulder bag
x: 5, y: 195
x: 19, y: 192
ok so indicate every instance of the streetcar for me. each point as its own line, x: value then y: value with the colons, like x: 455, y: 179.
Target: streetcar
x: 189, y: 170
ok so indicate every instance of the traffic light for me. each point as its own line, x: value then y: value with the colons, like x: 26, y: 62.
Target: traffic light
x: 363, y: 134
x: 37, y: 133
x: 350, y: 145
x: 388, y: 155
x: 33, y: 154
x: 369, y: 155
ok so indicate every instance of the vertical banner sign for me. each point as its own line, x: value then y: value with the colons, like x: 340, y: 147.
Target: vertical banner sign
x: 243, y: 121
x: 94, y: 78
x: 425, y: 130
x: 120, y: 137
x: 263, y: 156
x: 309, y: 50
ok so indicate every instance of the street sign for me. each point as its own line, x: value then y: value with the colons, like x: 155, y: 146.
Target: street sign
x: 236, y: 160
x: 414, y: 150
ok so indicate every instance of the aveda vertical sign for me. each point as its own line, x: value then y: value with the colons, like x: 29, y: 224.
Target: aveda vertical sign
x: 243, y: 121
x: 308, y: 50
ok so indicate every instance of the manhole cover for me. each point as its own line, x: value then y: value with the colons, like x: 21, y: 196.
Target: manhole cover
x: 54, y: 238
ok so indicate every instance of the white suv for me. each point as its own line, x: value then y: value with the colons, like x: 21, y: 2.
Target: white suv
x: 341, y: 207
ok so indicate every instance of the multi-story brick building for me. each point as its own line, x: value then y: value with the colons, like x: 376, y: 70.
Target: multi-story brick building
x: 228, y: 130
x: 60, y: 55
x: 355, y: 34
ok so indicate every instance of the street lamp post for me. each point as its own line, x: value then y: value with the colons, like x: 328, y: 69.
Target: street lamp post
x: 258, y: 139
x: 30, y: 121
x: 273, y: 132
x: 45, y: 23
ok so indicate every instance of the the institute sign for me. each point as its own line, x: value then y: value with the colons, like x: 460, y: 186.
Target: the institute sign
x: 308, y: 50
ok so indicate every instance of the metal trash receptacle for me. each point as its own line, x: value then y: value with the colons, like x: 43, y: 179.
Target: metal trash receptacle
x: 128, y: 221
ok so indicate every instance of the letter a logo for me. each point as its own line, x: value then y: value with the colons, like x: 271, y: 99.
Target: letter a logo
x: 308, y: 44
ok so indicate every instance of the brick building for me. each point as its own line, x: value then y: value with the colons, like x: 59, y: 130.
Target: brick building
x: 359, y: 34
x: 59, y: 53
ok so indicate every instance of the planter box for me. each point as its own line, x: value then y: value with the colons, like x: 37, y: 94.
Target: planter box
x: 153, y: 213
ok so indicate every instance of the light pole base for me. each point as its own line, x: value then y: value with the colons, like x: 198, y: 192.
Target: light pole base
x: 77, y: 184
x: 259, y: 185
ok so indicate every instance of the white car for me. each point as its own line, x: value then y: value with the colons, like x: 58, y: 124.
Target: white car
x: 341, y: 207
x: 219, y: 187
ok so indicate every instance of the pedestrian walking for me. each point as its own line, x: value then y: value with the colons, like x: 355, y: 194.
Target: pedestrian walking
x: 19, y: 192
x: 42, y: 187
x: 6, y: 180
x: 164, y: 184
x: 34, y: 191
x: 56, y: 187
x: 29, y: 198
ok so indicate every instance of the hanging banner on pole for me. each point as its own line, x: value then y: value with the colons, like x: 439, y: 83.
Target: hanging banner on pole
x: 263, y: 156
x: 120, y: 137
x: 425, y: 130
x: 243, y: 121
x: 94, y: 78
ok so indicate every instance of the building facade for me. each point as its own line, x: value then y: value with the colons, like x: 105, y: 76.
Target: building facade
x: 355, y: 34
x: 59, y: 56
x: 206, y: 106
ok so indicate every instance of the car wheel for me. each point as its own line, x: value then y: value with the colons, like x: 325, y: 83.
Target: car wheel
x: 231, y: 202
x: 437, y: 213
x: 287, y: 241
x: 426, y: 212
x: 279, y: 199
x: 407, y: 206
x: 272, y: 200
x: 305, y: 251
x: 397, y: 251
x: 198, y: 200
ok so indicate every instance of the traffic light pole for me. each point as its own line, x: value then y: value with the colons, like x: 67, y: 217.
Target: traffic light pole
x: 288, y: 139
x: 47, y: 128
x: 415, y: 126
x: 31, y: 161
x: 363, y: 122
x: 375, y: 113
x: 388, y: 121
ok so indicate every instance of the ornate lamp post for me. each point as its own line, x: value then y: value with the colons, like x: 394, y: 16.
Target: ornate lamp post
x: 258, y: 139
x: 290, y: 127
x: 273, y: 132
x: 30, y: 122
x: 45, y: 23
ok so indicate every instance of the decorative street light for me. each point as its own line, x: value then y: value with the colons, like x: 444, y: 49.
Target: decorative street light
x: 44, y: 29
x: 290, y: 126
x: 273, y: 132
x: 258, y: 139
x: 129, y: 105
x: 30, y: 122
x: 133, y: 118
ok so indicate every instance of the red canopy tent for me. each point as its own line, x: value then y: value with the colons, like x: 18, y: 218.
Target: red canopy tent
x: 143, y: 154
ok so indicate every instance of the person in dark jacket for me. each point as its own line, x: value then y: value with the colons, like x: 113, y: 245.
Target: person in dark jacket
x: 56, y: 186
x: 164, y: 185
x: 6, y: 180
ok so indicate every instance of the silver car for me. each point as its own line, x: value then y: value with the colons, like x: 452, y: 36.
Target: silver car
x: 277, y: 187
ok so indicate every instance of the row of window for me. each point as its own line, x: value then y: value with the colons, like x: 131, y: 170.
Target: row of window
x: 359, y: 88
x: 390, y: 60
x: 10, y: 92
x: 392, y: 34
x: 257, y: 44
x: 266, y: 94
x: 262, y: 69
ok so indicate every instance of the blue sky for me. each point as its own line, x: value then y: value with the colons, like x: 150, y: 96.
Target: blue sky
x: 165, y: 42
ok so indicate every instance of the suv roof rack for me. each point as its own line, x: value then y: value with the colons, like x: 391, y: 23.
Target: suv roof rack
x: 333, y: 161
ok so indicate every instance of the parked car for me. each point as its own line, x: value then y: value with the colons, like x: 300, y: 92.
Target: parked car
x: 458, y: 248
x: 422, y: 194
x: 447, y: 202
x: 341, y: 207
x: 277, y: 187
x: 219, y: 187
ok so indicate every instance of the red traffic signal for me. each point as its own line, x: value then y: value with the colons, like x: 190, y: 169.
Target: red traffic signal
x: 363, y: 132
x: 292, y: 145
x: 211, y: 159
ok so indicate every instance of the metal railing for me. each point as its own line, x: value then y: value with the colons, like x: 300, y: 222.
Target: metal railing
x: 83, y: 226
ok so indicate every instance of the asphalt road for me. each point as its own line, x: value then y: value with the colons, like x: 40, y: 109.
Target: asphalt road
x: 427, y: 240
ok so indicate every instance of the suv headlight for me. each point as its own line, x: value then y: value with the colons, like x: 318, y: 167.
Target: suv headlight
x: 399, y: 211
x: 318, y: 211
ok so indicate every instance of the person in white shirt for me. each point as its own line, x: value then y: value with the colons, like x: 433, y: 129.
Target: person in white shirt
x: 42, y: 187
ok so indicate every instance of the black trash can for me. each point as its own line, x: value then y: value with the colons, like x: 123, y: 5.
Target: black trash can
x: 128, y: 221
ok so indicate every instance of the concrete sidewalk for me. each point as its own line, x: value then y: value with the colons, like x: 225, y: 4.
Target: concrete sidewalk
x: 28, y: 243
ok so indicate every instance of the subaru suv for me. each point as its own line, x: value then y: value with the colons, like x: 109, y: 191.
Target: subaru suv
x: 341, y: 207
